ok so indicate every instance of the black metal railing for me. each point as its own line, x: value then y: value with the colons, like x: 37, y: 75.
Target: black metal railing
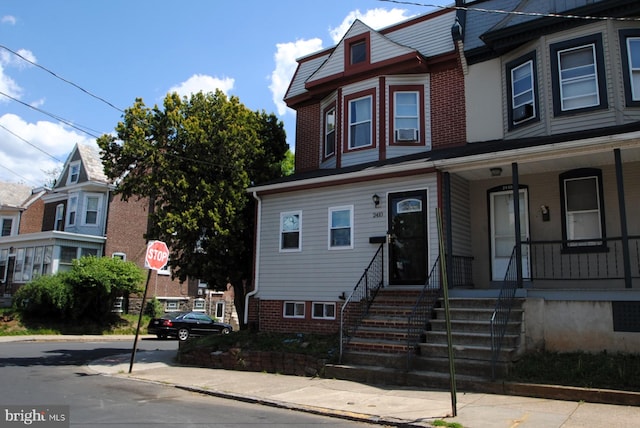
x: 356, y: 305
x: 421, y: 313
x: 586, y: 259
x: 502, y: 311
x: 461, y: 270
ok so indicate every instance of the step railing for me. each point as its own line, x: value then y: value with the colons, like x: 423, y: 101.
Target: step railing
x: 502, y: 311
x: 421, y: 312
x: 357, y: 304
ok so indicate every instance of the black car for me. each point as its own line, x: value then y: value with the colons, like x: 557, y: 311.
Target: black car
x: 186, y: 324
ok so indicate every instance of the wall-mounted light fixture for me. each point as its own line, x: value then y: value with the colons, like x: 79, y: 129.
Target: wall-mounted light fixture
x: 544, y: 210
x: 496, y: 171
x: 376, y: 200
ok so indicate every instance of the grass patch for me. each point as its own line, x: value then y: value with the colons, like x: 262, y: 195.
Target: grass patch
x: 14, y: 323
x: 602, y: 370
x: 317, y: 345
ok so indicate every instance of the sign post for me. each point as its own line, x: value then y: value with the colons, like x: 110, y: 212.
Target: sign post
x: 155, y: 258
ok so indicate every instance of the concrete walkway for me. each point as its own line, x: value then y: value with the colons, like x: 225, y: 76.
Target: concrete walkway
x: 396, y: 406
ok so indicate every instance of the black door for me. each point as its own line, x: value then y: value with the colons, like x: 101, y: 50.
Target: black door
x: 408, y: 237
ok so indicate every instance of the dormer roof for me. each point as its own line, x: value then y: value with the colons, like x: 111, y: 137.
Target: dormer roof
x: 82, y: 166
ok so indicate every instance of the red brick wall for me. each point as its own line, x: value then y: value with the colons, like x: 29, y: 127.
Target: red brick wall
x: 271, y: 320
x: 308, y: 123
x: 126, y: 226
x: 448, y: 122
x: 31, y: 218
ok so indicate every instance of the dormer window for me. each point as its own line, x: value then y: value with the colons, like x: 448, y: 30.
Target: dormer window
x: 74, y: 172
x: 522, y: 90
x: 357, y: 52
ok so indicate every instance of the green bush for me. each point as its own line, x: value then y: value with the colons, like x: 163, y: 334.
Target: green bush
x: 48, y: 295
x: 154, y: 308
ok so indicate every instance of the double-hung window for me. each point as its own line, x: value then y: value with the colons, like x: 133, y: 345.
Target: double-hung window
x: 578, y: 75
x: 73, y: 207
x: 582, y: 208
x: 59, y: 217
x: 630, y: 49
x: 521, y: 79
x: 406, y: 116
x: 7, y: 226
x: 74, y: 172
x: 290, y: 227
x: 92, y: 210
x: 361, y: 122
x: 341, y: 227
x: 330, y: 132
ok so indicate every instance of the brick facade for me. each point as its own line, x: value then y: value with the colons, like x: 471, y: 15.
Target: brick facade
x: 271, y: 319
x: 448, y: 117
x: 31, y: 218
x: 308, y: 123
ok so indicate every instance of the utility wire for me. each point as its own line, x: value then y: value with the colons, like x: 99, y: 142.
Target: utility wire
x: 62, y: 78
x: 31, y: 144
x: 15, y: 173
x: 58, y: 118
x: 515, y: 12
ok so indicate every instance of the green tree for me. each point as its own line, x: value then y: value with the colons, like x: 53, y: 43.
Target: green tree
x: 194, y: 159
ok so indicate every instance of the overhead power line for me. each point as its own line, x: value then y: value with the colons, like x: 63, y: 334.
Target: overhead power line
x: 516, y: 12
x: 62, y: 78
x: 31, y: 144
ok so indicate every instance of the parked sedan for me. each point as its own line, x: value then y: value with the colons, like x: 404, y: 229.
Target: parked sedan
x: 186, y: 324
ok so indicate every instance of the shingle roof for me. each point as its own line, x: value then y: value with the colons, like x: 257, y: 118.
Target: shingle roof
x: 92, y: 163
x: 14, y: 195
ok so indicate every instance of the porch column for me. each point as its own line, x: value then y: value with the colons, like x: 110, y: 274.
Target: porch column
x: 516, y: 213
x: 623, y: 220
x: 448, y: 231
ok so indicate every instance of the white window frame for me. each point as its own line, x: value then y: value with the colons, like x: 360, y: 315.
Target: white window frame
x: 59, y: 222
x: 165, y: 271
x: 12, y: 226
x: 220, y: 308
x: 98, y: 209
x: 74, y: 172
x: 398, y: 117
x: 297, y: 309
x: 524, y: 97
x: 330, y: 130
x: 72, y: 211
x: 199, y: 305
x: 332, y: 227
x: 290, y: 228
x: 586, y: 78
x: 634, y: 72
x: 572, y: 216
x: 171, y: 306
x: 328, y: 310
x: 353, y: 123
x: 119, y: 255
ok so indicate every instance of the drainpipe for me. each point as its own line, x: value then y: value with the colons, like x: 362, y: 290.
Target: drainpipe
x: 256, y: 259
x: 516, y: 215
x: 623, y: 219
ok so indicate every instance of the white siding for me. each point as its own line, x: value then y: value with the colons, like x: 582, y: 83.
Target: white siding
x: 430, y: 37
x: 317, y: 273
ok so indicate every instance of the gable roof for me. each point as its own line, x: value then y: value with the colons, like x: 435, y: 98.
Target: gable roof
x: 14, y: 195
x: 91, y: 169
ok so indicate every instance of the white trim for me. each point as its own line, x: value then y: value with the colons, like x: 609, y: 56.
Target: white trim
x: 330, y: 227
x: 73, y: 165
x: 324, y: 311
x: 296, y: 304
x: 292, y: 214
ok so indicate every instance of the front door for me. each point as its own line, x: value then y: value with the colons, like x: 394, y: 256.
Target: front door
x: 503, y: 231
x: 408, y: 237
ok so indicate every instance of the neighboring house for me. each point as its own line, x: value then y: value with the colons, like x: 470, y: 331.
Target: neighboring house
x: 43, y: 231
x: 466, y: 111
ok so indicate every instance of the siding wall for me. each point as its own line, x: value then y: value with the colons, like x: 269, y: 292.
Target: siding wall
x: 317, y: 273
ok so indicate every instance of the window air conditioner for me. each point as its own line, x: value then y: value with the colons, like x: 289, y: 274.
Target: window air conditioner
x: 522, y: 113
x: 200, y: 292
x: 407, y: 134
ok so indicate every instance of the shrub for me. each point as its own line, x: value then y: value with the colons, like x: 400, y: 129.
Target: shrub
x: 49, y: 295
x: 154, y: 308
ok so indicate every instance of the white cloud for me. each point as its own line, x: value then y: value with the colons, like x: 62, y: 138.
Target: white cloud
x: 21, y: 161
x: 374, y: 18
x: 285, y: 58
x: 204, y: 83
x: 8, y: 19
x: 8, y: 86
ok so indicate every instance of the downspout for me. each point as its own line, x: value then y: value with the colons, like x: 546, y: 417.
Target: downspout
x: 256, y: 258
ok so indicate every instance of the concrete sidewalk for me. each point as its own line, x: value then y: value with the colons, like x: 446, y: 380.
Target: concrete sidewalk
x: 387, y: 405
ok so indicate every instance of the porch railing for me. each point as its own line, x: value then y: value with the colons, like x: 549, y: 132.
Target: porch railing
x: 418, y: 319
x: 356, y: 305
x: 582, y: 259
x: 502, y: 311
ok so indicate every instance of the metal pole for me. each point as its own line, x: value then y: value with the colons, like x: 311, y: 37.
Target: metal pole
x: 445, y: 289
x: 135, y: 342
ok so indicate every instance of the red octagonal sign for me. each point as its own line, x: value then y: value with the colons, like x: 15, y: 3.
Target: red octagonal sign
x: 157, y: 255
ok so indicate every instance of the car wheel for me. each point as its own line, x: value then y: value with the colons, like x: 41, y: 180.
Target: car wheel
x: 225, y: 331
x: 183, y: 334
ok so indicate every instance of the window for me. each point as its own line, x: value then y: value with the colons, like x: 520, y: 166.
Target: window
x: 358, y: 52
x: 290, y: 226
x: 7, y: 226
x: 406, y: 120
x: 73, y: 206
x: 18, y: 265
x: 521, y: 87
x: 360, y: 122
x: 630, y: 47
x: 578, y: 75
x: 59, y: 225
x: 166, y: 270
x: 74, y: 172
x: 4, y: 261
x: 84, y: 252
x: 121, y: 256
x: 582, y: 207
x: 357, y: 56
x: 293, y: 309
x: 340, y: 227
x: 198, y: 305
x: 324, y: 311
x: 92, y: 209
x: 67, y: 255
x: 171, y: 306
x: 330, y: 132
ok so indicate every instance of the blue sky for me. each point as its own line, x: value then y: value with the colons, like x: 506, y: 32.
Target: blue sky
x: 120, y: 50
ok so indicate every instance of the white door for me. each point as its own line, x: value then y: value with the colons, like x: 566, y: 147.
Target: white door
x: 503, y: 232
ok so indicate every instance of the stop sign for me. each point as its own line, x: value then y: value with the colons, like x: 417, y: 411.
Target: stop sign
x: 157, y: 255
